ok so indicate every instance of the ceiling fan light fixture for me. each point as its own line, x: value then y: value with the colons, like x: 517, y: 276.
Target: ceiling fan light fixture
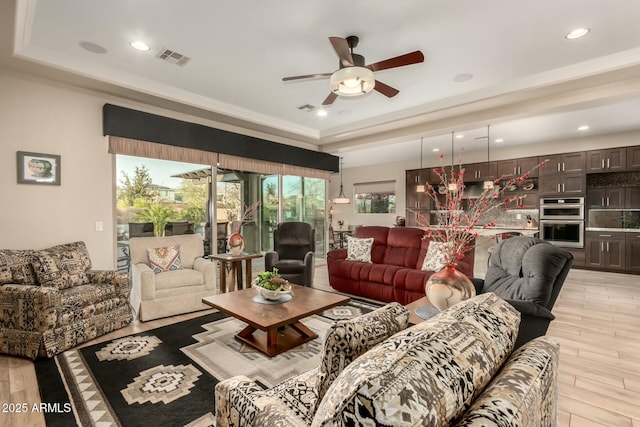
x: 352, y: 81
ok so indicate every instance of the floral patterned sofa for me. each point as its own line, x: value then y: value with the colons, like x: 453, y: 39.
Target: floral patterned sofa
x: 51, y: 300
x: 458, y: 368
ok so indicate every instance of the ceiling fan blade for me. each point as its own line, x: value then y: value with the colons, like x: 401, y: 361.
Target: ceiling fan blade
x: 399, y: 61
x: 307, y: 77
x: 329, y: 99
x: 386, y: 90
x: 341, y: 47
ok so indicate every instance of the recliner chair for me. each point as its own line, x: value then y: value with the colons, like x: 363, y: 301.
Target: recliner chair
x: 294, y: 244
x: 528, y: 273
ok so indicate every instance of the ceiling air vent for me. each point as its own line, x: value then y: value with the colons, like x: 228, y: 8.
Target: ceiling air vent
x: 173, y: 57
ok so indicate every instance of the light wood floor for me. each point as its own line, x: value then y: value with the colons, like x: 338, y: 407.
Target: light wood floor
x: 597, y: 325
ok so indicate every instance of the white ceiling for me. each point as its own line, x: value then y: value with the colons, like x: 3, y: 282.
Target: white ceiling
x: 529, y: 82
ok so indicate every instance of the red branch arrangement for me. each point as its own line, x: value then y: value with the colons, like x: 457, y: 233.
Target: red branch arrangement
x: 248, y: 215
x: 457, y: 227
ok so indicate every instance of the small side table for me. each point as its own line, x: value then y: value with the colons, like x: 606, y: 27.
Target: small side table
x: 414, y: 319
x: 236, y: 267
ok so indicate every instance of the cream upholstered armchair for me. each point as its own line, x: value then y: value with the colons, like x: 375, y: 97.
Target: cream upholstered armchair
x: 169, y: 275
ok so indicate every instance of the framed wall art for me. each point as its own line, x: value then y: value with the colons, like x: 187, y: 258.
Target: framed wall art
x: 38, y: 168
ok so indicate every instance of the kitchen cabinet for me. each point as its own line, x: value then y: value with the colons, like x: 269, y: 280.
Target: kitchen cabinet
x: 563, y: 163
x: 413, y: 198
x: 632, y: 198
x: 562, y: 184
x: 608, y: 198
x: 578, y: 257
x: 633, y: 252
x: 480, y: 171
x: 605, y: 250
x: 523, y: 199
x: 609, y: 160
x: 518, y: 167
x: 633, y: 158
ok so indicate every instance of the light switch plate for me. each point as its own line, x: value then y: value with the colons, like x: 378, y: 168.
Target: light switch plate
x: 99, y: 226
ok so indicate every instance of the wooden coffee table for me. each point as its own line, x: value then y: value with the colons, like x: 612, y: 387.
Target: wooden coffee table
x: 280, y: 323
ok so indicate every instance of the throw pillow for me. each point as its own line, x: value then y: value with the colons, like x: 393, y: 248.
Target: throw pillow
x: 165, y: 259
x: 434, y: 260
x: 62, y: 266
x: 15, y: 267
x: 359, y: 249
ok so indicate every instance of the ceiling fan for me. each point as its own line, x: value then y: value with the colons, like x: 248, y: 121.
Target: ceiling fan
x: 354, y: 78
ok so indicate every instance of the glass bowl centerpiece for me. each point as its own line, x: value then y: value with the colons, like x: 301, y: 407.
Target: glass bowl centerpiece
x: 271, y: 286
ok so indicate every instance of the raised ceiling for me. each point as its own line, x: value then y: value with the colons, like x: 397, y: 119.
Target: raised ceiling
x: 519, y: 72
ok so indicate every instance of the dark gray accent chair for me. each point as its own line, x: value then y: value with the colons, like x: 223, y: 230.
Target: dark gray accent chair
x: 528, y: 273
x: 294, y: 244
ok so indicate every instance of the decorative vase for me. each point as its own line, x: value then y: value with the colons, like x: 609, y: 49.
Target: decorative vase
x: 448, y: 287
x: 236, y: 244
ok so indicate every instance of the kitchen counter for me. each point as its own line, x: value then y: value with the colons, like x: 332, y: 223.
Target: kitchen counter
x: 494, y: 230
x: 613, y: 230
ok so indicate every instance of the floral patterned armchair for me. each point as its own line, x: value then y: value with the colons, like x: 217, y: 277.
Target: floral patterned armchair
x: 51, y: 300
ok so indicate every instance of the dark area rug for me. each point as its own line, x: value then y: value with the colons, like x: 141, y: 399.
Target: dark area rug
x: 166, y: 376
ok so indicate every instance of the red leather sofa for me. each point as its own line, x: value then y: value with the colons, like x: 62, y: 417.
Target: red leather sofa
x: 395, y: 273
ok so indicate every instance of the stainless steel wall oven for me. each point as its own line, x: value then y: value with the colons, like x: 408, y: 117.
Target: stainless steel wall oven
x: 562, y: 221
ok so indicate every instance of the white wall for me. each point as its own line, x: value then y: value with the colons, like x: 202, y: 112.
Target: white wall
x: 49, y: 119
x: 387, y: 172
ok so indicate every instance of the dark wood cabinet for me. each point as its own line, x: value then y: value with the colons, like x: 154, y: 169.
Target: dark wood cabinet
x: 633, y: 252
x: 416, y: 199
x: 578, y: 257
x: 518, y: 167
x: 562, y: 184
x: 608, y: 160
x: 563, y: 163
x: 607, y: 198
x: 605, y: 250
x: 632, y: 198
x: 633, y: 157
x: 480, y: 171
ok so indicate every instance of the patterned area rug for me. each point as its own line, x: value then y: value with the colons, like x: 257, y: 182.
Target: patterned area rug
x: 166, y: 376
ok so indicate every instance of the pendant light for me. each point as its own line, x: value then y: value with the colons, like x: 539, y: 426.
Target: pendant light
x: 341, y: 199
x: 452, y: 186
x: 420, y: 188
x: 488, y: 184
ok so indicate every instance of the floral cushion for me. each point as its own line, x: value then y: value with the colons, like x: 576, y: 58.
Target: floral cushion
x: 165, y: 259
x: 359, y: 249
x: 435, y: 259
x: 15, y: 267
x: 62, y: 266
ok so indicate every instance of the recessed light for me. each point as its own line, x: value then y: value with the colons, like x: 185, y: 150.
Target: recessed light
x: 321, y: 113
x: 577, y: 33
x: 460, y: 136
x: 499, y: 140
x: 583, y: 128
x: 436, y: 150
x: 140, y: 45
